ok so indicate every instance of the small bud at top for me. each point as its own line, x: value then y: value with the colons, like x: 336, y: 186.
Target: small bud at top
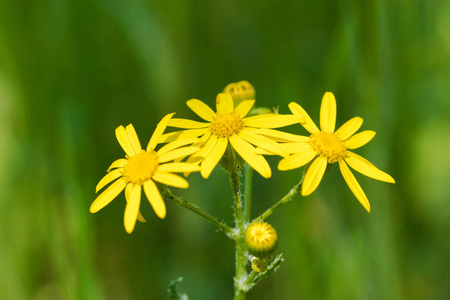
x: 241, y: 90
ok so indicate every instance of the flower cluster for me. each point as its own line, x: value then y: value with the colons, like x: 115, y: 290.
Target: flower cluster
x: 140, y: 169
x: 198, y: 146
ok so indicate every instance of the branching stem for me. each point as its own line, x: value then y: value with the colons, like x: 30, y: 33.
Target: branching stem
x: 285, y: 199
x: 217, y: 222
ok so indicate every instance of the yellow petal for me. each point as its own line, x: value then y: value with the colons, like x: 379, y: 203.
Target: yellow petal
x: 134, y: 140
x: 364, y: 160
x: 108, y: 195
x: 244, y: 107
x: 295, y: 147
x: 128, y: 189
x: 349, y: 128
x: 354, y: 185
x: 298, y: 159
x: 247, y: 152
x: 141, y: 218
x: 188, y: 124
x: 262, y: 151
x: 314, y: 175
x: 224, y: 103
x: 170, y: 179
x: 206, y: 143
x: 155, y: 199
x: 194, y: 159
x: 108, y: 178
x: 172, y: 136
x: 281, y: 136
x: 328, y: 112
x: 124, y: 141
x: 120, y: 163
x: 177, y: 153
x: 132, y: 208
x: 290, y: 148
x: 204, y: 138
x: 362, y: 166
x: 299, y: 112
x: 213, y: 157
x: 179, y: 167
x: 205, y: 149
x: 176, y: 144
x: 159, y: 132
x: 270, y: 121
x: 127, y: 197
x: 201, y: 109
x: 359, y: 139
x: 262, y: 142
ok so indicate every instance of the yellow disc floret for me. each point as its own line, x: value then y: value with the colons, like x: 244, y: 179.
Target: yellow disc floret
x: 225, y: 125
x: 329, y: 145
x: 261, y: 239
x: 140, y: 167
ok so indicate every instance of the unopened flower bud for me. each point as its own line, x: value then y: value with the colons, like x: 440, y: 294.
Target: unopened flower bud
x: 241, y: 90
x: 261, y: 239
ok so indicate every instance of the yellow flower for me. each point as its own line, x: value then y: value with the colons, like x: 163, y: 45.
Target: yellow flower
x: 140, y: 169
x: 327, y: 146
x: 229, y: 126
x: 241, y: 90
x: 261, y: 239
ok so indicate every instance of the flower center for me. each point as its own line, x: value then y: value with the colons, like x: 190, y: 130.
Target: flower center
x: 225, y: 125
x: 140, y: 167
x: 329, y: 145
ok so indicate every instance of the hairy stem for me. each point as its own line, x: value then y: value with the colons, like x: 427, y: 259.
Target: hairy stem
x: 241, y: 270
x: 248, y: 176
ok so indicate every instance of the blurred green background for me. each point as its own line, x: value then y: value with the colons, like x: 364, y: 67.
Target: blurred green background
x: 71, y: 71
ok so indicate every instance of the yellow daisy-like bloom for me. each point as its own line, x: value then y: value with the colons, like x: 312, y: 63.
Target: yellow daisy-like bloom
x: 241, y: 90
x: 229, y: 126
x: 327, y: 146
x: 261, y: 239
x: 140, y: 169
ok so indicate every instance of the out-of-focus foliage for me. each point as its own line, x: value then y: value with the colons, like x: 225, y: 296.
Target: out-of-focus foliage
x: 71, y: 71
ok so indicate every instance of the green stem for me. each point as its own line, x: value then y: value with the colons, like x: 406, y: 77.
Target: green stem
x: 248, y: 176
x: 237, y: 195
x: 215, y: 221
x: 283, y: 200
x: 241, y: 270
